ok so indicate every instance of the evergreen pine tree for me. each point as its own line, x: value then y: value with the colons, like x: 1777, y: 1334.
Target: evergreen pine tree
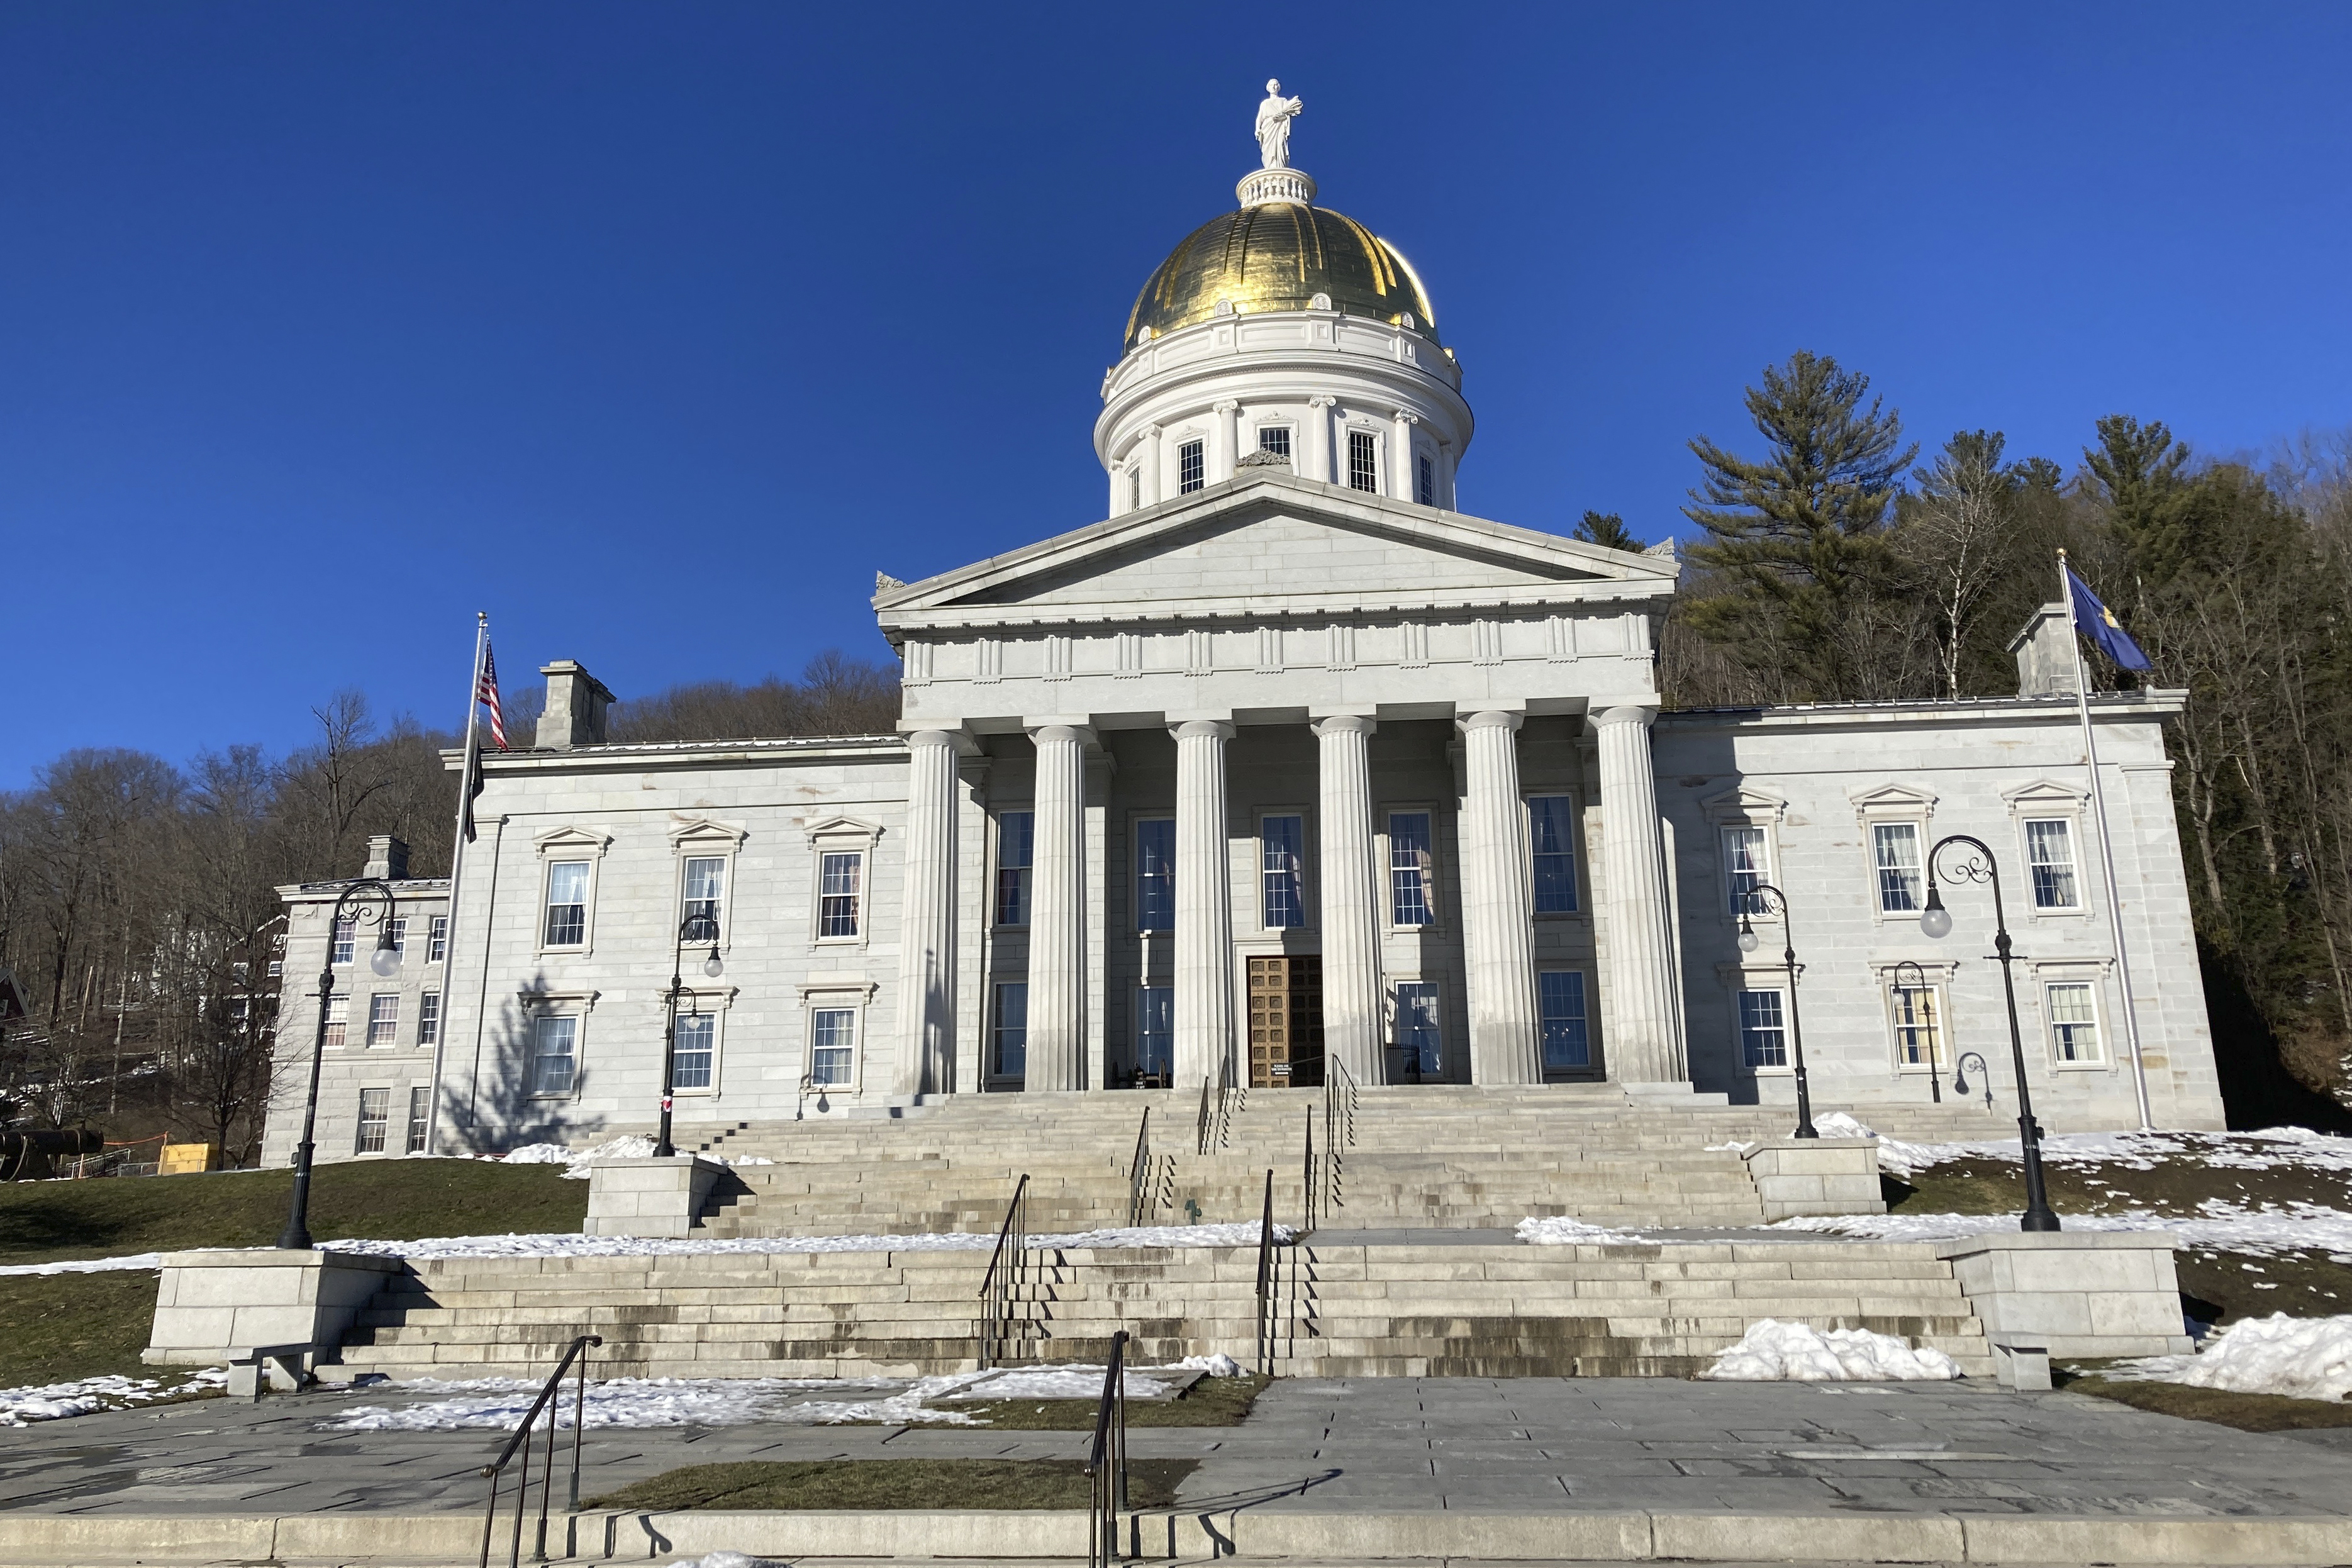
x: 1608, y: 530
x: 1799, y: 536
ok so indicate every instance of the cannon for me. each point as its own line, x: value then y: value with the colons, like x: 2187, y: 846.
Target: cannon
x: 29, y: 1153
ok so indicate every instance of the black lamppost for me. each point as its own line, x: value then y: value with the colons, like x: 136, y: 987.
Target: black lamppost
x: 699, y: 926
x: 1936, y: 922
x: 1748, y: 944
x: 1918, y: 987
x: 385, y: 962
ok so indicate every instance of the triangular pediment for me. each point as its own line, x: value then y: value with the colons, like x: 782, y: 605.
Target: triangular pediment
x: 1274, y: 544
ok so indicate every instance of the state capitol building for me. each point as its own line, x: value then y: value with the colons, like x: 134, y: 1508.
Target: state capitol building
x: 1282, y: 768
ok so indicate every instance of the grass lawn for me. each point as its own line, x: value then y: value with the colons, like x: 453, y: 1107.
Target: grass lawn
x: 895, y: 1483
x: 2246, y: 1412
x: 44, y: 1221
x: 1211, y: 1402
x: 57, y: 1327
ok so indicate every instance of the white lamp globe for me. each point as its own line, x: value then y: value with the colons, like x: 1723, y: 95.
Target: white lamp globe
x: 710, y: 965
x: 1936, y: 922
x: 384, y: 960
x: 1747, y: 941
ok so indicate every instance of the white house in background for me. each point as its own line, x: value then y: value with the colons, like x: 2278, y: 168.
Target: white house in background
x: 1286, y: 763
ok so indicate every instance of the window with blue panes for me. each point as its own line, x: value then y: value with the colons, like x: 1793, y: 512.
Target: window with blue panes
x: 693, y: 1050
x: 1155, y: 875
x: 1280, y: 842
x: 1410, y: 901
x: 1559, y: 1002
x: 1417, y: 1035
x: 1551, y: 838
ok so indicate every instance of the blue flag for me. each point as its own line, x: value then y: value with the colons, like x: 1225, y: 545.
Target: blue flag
x: 2096, y: 622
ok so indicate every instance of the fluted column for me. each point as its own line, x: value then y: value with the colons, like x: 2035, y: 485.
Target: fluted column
x: 1350, y: 902
x: 1402, y: 473
x: 1496, y: 906
x: 1228, y: 451
x: 1205, y: 911
x: 927, y: 993
x: 1317, y: 460
x: 1644, y: 1044
x: 1057, y: 912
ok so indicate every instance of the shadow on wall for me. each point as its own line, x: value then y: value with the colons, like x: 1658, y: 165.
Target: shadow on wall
x: 510, y: 1098
x: 1705, y: 766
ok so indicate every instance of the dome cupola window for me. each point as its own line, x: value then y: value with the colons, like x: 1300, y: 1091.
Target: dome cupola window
x: 1190, y: 472
x: 1363, y: 461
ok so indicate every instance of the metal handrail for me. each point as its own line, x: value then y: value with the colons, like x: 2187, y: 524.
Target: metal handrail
x: 1200, y: 1128
x: 1265, y: 1282
x: 1003, y: 1276
x: 1310, y: 1181
x: 1106, y: 1462
x: 521, y: 1441
x: 1138, y: 1174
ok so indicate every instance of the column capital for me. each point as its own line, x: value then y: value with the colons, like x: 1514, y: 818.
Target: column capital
x: 1625, y: 713
x: 1491, y: 718
x: 1225, y: 405
x: 1322, y: 400
x: 1199, y: 728
x: 1406, y: 416
x: 1043, y: 730
x: 959, y: 740
x: 1344, y: 724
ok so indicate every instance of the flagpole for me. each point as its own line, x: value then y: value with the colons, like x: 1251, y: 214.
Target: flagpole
x: 457, y: 875
x: 2106, y: 844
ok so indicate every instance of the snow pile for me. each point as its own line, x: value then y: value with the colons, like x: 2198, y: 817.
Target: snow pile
x: 726, y: 1560
x: 1218, y: 1366
x: 2303, y: 1358
x: 1558, y: 1230
x: 88, y: 1265
x: 2216, y: 1225
x: 576, y: 1162
x: 2266, y: 1150
x: 84, y: 1396
x: 1062, y: 1382
x: 1838, y: 1124
x: 1775, y: 1352
x: 1245, y: 1234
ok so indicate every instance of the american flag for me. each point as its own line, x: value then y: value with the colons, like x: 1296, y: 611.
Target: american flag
x: 487, y: 693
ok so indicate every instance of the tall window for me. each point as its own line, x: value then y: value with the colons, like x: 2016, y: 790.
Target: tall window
x: 1134, y: 487
x: 1189, y: 470
x: 1895, y: 850
x: 437, y: 944
x: 555, y: 1052
x: 420, y: 1118
x: 1551, y: 836
x: 706, y: 878
x: 2050, y: 856
x: 347, y: 931
x: 693, y: 1045
x: 1763, y: 1028
x: 1155, y: 875
x: 428, y: 1018
x: 1363, y: 461
x: 1424, y: 484
x: 1559, y: 1003
x: 2073, y: 1022
x: 567, y: 904
x: 383, y: 1018
x: 1280, y: 841
x: 1743, y: 864
x: 1155, y: 1032
x: 842, y: 876
x: 833, y: 1044
x: 400, y: 938
x: 1416, y: 1026
x: 375, y: 1111
x: 1918, y: 1026
x: 1015, y: 847
x: 339, y: 1019
x: 1275, y: 438
x: 1009, y: 1042
x: 1409, y: 868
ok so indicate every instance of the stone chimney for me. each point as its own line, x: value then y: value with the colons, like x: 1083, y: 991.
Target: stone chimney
x: 387, y: 859
x: 2045, y: 654
x: 576, y: 702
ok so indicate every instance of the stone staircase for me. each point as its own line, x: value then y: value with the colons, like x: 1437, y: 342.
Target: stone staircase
x: 1341, y: 1309
x: 1438, y: 1156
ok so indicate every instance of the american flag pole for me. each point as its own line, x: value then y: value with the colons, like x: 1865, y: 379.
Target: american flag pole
x: 466, y: 773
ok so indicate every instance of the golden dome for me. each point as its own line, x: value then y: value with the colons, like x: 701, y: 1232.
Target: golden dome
x: 1278, y: 255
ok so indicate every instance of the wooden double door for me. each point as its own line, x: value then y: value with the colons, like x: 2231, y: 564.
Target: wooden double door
x: 1285, y: 1022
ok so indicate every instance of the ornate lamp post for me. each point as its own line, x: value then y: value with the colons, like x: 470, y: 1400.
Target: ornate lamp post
x: 385, y: 963
x: 699, y: 926
x: 1779, y: 905
x: 1977, y: 864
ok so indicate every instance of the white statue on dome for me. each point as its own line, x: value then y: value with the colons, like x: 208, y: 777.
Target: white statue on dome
x: 1274, y: 117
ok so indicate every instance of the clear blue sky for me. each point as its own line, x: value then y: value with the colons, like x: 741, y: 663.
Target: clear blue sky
x: 655, y: 331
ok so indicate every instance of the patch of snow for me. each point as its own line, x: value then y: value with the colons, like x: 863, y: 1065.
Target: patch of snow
x: 1775, y: 1352
x: 568, y: 1244
x: 2303, y: 1358
x: 88, y: 1265
x: 1060, y: 1382
x: 1217, y: 1365
x: 2216, y: 1225
x: 726, y: 1560
x: 87, y: 1395
x: 499, y: 1404
x: 1838, y: 1124
x: 576, y: 1163
x: 2265, y: 1150
x: 1559, y: 1230
x: 1734, y: 1147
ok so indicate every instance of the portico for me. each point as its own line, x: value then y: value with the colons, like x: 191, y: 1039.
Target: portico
x: 1280, y: 739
